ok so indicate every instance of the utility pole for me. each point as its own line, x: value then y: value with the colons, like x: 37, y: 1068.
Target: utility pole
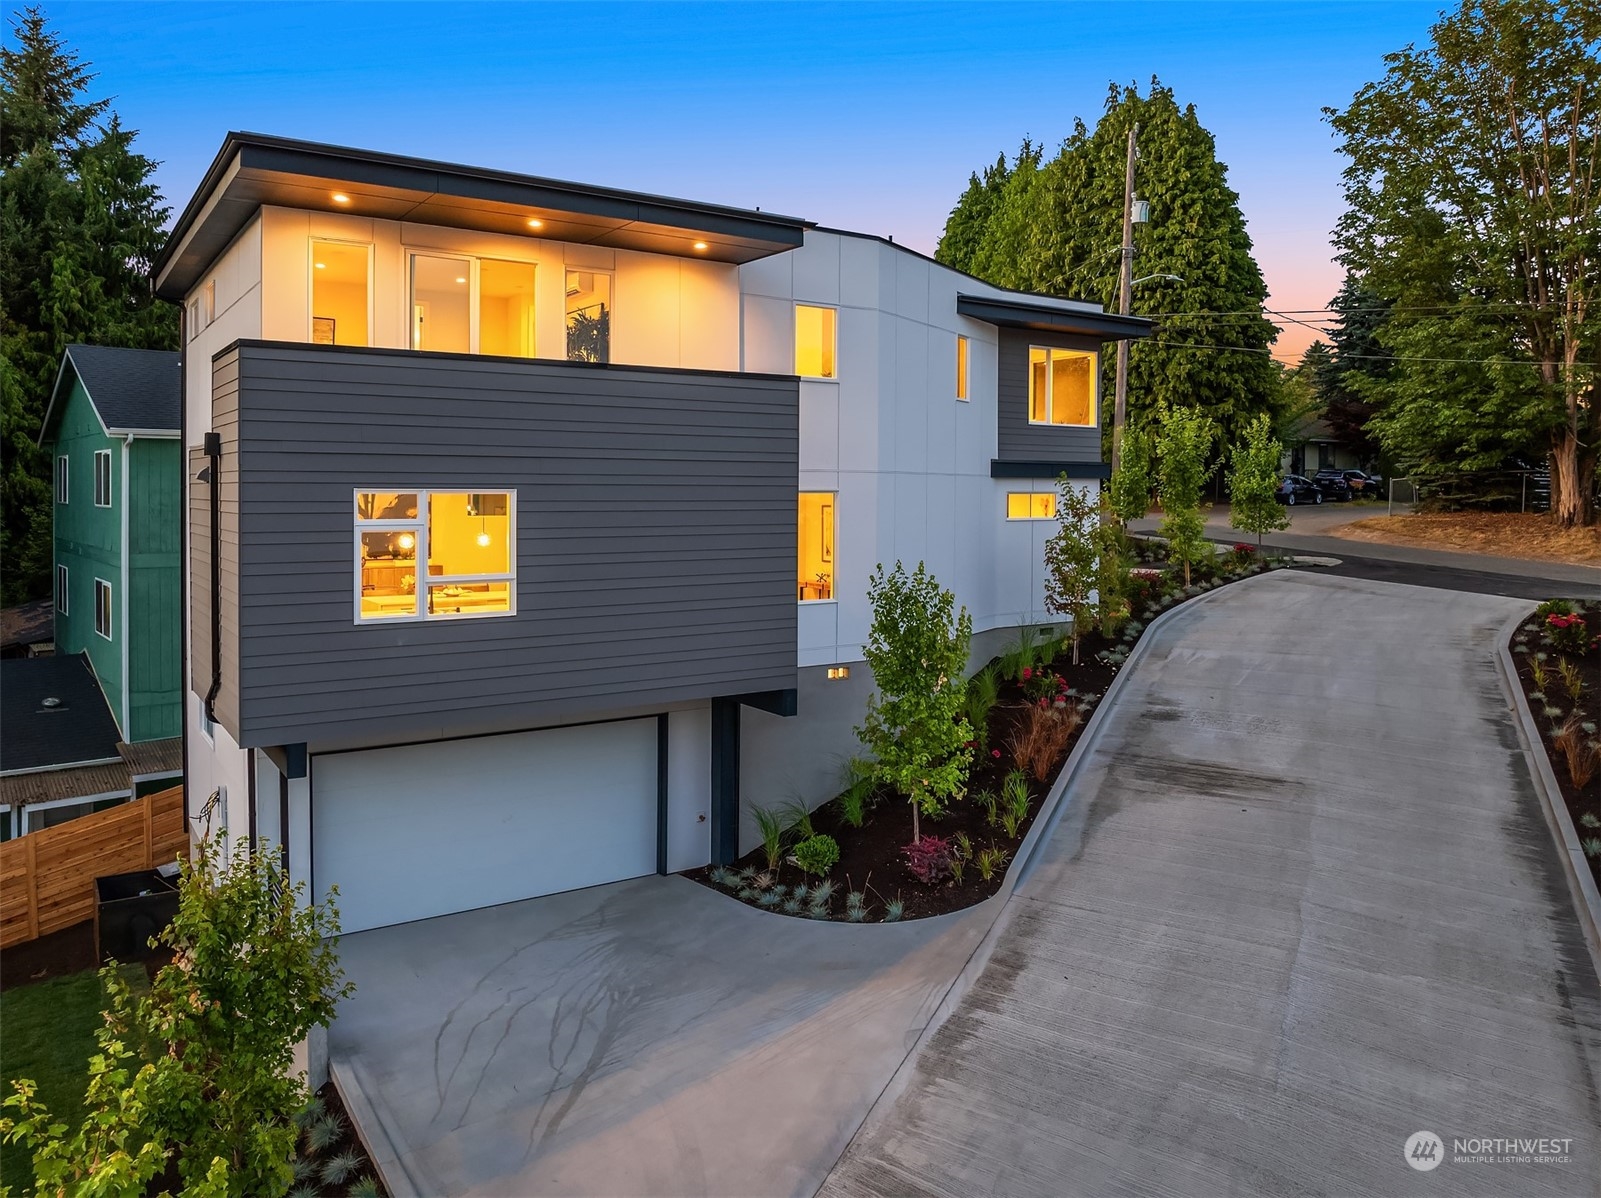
x: 1124, y: 297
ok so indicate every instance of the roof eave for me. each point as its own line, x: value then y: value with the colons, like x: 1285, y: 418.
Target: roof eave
x: 1022, y: 314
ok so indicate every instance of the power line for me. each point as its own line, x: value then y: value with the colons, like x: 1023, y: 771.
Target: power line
x: 1249, y: 349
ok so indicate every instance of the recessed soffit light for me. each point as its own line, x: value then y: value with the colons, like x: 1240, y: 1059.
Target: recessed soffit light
x: 341, y: 198
x: 535, y: 223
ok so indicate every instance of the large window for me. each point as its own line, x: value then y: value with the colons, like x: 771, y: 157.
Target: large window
x: 961, y: 368
x: 1025, y: 505
x: 815, y: 561
x: 465, y: 305
x: 815, y: 342
x: 103, y: 608
x: 506, y: 308
x: 62, y: 490
x: 102, y: 478
x: 434, y: 554
x: 341, y: 306
x: 1061, y: 386
x: 589, y: 306
x: 441, y: 304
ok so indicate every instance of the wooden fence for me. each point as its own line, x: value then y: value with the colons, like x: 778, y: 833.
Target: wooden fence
x: 47, y: 878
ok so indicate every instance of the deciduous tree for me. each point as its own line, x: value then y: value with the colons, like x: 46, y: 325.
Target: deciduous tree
x: 1254, y: 480
x: 1184, y: 447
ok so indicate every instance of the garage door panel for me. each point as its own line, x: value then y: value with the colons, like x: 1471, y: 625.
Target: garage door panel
x: 422, y: 830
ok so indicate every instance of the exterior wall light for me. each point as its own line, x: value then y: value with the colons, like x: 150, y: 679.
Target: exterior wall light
x: 836, y: 673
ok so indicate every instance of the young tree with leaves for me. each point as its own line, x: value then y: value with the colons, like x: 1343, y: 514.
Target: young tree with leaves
x: 1130, y: 487
x: 1473, y: 210
x: 1072, y: 556
x: 1184, y: 447
x: 1254, y: 482
x: 80, y: 223
x: 915, y: 727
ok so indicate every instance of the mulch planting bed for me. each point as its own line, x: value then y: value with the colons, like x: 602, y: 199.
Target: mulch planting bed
x: 873, y: 863
x: 1560, y: 670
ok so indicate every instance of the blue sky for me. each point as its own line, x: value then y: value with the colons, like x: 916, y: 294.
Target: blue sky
x: 863, y: 116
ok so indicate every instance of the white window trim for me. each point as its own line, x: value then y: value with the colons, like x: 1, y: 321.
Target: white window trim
x: 202, y: 722
x: 63, y: 479
x: 419, y: 528
x: 1095, y: 377
x: 63, y: 589
x: 110, y: 606
x: 102, y: 459
x: 964, y: 368
x: 311, y: 271
x: 816, y: 378
x: 80, y: 801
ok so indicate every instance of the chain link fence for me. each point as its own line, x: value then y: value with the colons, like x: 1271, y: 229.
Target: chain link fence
x: 1473, y: 491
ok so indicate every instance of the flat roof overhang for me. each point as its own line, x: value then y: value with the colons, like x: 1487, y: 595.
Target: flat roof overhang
x: 1048, y: 318
x: 254, y: 169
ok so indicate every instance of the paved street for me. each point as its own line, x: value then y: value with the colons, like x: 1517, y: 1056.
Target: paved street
x: 1302, y: 904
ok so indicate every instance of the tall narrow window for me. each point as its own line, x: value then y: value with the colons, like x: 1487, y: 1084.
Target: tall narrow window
x: 434, y: 555
x: 815, y: 561
x: 441, y: 304
x: 506, y: 308
x: 814, y: 342
x: 102, y: 478
x: 961, y: 367
x: 62, y: 592
x: 589, y: 305
x: 1062, y: 386
x: 103, y: 608
x: 62, y: 489
x: 340, y: 304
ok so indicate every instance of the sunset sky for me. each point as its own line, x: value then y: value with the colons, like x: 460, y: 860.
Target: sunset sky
x: 862, y: 116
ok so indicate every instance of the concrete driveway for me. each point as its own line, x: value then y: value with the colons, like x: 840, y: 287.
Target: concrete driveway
x: 1303, y: 903
x: 649, y: 1037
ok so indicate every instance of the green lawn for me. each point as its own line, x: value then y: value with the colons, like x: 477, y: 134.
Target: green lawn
x: 49, y: 1036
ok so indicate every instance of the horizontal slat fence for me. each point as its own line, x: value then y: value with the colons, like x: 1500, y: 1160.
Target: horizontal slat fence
x: 47, y: 878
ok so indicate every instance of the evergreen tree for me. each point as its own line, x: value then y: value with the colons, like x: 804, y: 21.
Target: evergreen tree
x: 79, y: 224
x: 1055, y: 227
x: 1357, y: 354
x: 964, y: 228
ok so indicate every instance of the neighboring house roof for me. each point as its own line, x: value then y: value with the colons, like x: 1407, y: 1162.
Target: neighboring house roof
x: 1316, y: 429
x: 27, y: 624
x: 133, y: 390
x: 253, y: 169
x: 153, y: 757
x: 76, y: 730
x: 18, y: 790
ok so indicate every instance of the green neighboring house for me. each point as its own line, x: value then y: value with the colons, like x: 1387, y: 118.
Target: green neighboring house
x: 112, y: 428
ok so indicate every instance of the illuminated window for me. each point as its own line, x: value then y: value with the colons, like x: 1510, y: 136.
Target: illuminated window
x: 506, y: 308
x: 815, y: 562
x: 1061, y: 386
x: 102, y: 478
x: 441, y: 304
x: 339, y: 294
x: 961, y: 368
x: 814, y: 342
x: 1026, y: 505
x: 588, y: 316
x: 103, y: 608
x: 434, y: 554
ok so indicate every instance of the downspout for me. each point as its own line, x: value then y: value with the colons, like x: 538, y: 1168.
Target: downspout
x: 127, y: 659
x: 212, y: 474
x: 183, y: 544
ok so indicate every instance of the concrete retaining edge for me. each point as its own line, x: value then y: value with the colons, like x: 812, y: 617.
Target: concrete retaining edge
x: 1586, y: 899
x: 1051, y: 812
x: 375, y: 1136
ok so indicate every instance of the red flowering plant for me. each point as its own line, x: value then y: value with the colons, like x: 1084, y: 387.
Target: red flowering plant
x: 1567, y: 634
x: 1042, y: 684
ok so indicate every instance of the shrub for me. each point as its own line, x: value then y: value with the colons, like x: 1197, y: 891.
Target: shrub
x: 929, y: 859
x: 817, y: 854
x: 1582, y: 754
x: 1041, y: 737
x: 917, y: 649
x: 1567, y: 634
x: 1552, y: 607
x: 336, y: 1170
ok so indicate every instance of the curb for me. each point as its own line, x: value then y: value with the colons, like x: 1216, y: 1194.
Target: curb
x: 1586, y: 899
x: 380, y: 1145
x: 1056, y: 803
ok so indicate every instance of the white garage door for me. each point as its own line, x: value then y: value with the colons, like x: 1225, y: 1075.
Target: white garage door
x: 425, y: 830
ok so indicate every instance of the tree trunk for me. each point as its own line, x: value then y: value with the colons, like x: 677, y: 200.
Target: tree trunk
x: 917, y: 832
x: 1572, y: 480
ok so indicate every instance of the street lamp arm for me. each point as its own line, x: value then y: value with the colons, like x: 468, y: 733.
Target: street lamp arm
x: 1148, y: 278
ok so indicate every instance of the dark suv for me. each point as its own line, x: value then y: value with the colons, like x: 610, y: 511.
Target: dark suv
x: 1333, y: 484
x: 1365, y: 485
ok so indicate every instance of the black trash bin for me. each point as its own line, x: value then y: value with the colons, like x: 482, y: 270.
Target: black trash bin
x: 130, y: 909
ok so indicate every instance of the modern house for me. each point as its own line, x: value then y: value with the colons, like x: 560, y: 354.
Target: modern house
x: 529, y: 523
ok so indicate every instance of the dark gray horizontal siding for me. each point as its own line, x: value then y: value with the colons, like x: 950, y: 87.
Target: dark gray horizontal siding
x: 655, y: 539
x: 1017, y: 439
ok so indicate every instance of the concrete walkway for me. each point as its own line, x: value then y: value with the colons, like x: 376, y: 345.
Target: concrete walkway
x: 649, y: 1037
x: 1303, y: 904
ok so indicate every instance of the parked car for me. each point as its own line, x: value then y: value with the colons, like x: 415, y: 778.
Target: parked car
x: 1296, y: 488
x: 1333, y: 484
x: 1364, y: 485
